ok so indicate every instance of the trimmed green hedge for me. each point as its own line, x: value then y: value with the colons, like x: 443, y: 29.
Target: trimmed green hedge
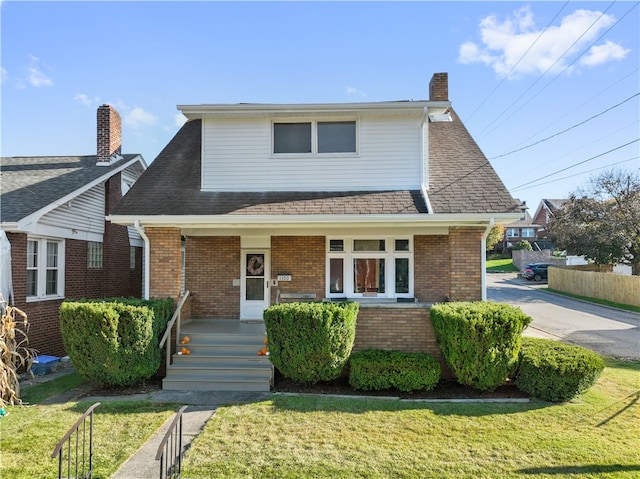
x: 555, y: 371
x: 112, y: 343
x: 374, y: 369
x: 480, y: 341
x: 311, y: 342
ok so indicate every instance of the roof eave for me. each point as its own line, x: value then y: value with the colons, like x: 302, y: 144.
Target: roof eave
x: 451, y: 219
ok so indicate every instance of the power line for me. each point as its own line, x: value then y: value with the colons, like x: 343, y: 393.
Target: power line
x: 518, y: 62
x: 550, y: 68
x: 578, y: 107
x: 566, y: 130
x: 576, y: 174
x: 576, y: 164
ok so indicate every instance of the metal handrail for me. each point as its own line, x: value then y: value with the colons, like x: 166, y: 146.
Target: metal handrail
x: 170, y: 449
x: 167, y: 332
x: 66, y: 439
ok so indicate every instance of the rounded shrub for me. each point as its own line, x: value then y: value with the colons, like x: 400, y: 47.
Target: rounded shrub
x: 375, y: 369
x: 311, y: 342
x: 480, y: 341
x: 110, y: 343
x: 555, y: 371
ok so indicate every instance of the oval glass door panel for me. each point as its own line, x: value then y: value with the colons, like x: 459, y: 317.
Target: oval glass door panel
x: 254, y: 280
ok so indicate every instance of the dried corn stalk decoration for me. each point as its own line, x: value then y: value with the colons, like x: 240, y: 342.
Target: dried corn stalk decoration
x: 14, y: 353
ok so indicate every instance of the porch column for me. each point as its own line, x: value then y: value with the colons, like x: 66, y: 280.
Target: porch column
x: 465, y: 251
x: 164, y: 263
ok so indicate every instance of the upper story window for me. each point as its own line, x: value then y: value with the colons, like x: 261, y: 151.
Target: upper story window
x: 316, y: 137
x: 513, y: 232
x: 45, y: 268
x: 370, y: 267
x: 528, y: 232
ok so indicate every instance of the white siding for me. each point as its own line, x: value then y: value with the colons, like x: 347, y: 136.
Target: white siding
x: 237, y: 157
x: 83, y: 214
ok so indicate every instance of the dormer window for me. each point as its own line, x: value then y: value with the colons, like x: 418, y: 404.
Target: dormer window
x: 316, y: 137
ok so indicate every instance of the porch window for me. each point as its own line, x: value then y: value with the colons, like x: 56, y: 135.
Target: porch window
x: 45, y: 269
x: 370, y: 267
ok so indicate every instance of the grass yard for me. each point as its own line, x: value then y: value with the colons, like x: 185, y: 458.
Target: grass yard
x: 595, y: 436
x: 500, y: 265
x: 29, y: 434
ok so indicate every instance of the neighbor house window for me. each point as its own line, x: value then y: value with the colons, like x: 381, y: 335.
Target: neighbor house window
x: 45, y: 268
x: 528, y: 232
x: 94, y: 255
x: 370, y: 267
x: 317, y: 137
x: 513, y: 232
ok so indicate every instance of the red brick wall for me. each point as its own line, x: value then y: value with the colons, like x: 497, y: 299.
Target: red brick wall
x: 466, y: 263
x: 401, y: 329
x: 165, y: 262
x: 80, y: 283
x: 304, y: 258
x: 431, y: 264
x: 211, y: 265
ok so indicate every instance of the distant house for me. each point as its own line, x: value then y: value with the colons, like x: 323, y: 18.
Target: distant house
x: 542, y: 216
x: 53, y: 212
x: 524, y: 229
x: 387, y: 204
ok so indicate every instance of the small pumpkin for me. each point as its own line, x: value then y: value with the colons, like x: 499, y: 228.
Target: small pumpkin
x: 185, y: 340
x: 185, y: 351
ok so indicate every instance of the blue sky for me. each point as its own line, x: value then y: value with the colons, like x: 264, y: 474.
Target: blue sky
x: 558, y: 81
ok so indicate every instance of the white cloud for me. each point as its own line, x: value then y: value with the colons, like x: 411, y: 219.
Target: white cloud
x: 599, y: 54
x: 35, y: 76
x: 3, y: 75
x: 355, y: 92
x: 179, y: 119
x: 86, y: 101
x: 503, y: 43
x: 138, y: 117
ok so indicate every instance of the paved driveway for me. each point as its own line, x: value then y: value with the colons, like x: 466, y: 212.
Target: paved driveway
x: 606, y: 330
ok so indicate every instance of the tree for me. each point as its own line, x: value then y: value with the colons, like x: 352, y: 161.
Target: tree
x: 602, y: 220
x: 495, y: 236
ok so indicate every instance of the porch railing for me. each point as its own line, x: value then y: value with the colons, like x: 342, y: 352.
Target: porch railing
x: 74, y: 443
x: 170, y: 449
x: 175, y: 319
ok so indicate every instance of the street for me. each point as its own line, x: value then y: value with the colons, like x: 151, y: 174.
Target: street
x: 608, y: 331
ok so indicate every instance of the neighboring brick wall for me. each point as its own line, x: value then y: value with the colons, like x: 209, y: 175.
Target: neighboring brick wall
x: 431, y: 263
x: 211, y: 265
x: 80, y: 283
x: 303, y: 257
x: 401, y: 329
x: 466, y: 263
x: 165, y: 262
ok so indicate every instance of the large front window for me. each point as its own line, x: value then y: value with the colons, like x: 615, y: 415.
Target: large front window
x: 45, y: 268
x: 370, y: 267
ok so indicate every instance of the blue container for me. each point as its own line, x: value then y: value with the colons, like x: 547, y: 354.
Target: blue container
x: 42, y: 365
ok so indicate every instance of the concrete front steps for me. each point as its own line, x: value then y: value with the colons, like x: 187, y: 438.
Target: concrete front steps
x: 223, y: 358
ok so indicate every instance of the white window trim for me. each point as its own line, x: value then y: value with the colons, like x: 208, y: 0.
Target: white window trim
x: 314, y: 139
x: 389, y: 255
x: 42, y: 269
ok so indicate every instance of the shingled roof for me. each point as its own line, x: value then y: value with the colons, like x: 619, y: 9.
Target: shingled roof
x: 28, y: 184
x: 462, y: 181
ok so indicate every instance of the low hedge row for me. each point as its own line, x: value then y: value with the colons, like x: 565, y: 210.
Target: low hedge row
x: 375, y: 369
x: 555, y: 371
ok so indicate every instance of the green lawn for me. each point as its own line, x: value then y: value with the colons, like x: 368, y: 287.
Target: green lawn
x: 29, y: 434
x: 594, y: 436
x: 500, y: 265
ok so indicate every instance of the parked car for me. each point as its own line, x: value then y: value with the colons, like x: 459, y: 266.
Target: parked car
x: 536, y: 271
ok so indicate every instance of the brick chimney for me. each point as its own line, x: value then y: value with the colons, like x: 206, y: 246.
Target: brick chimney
x: 439, y: 87
x: 109, y: 135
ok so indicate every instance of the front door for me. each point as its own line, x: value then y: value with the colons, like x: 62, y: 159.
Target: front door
x: 254, y: 284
